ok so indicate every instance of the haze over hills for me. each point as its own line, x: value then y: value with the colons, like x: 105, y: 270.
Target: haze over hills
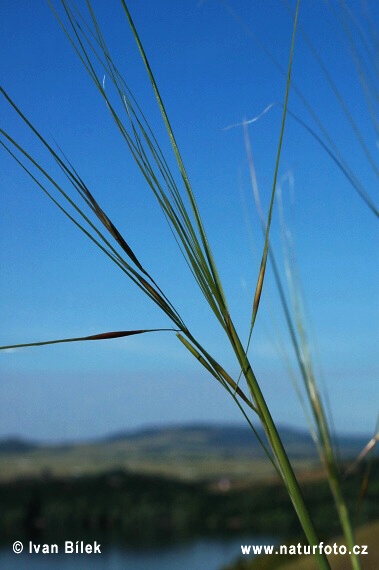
x: 230, y: 439
x: 202, y: 436
x: 195, y: 451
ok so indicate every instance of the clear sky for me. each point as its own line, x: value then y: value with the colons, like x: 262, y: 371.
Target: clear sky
x: 212, y: 67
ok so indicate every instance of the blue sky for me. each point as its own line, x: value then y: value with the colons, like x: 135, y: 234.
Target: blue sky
x: 212, y: 72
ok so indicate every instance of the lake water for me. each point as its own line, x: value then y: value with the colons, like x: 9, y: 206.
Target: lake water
x: 202, y: 554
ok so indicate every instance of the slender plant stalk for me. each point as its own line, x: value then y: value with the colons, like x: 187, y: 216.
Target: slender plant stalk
x: 321, y: 431
x: 287, y: 473
x: 285, y: 467
x: 320, y: 417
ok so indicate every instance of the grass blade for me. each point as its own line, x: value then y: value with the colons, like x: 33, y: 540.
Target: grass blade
x: 101, y: 336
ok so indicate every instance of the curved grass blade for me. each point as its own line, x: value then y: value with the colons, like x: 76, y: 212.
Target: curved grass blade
x: 101, y: 336
x: 356, y: 184
x: 152, y: 288
x: 335, y: 156
x: 262, y: 270
x: 216, y: 370
x: 331, y: 146
x: 341, y: 101
x: 231, y: 386
x: 363, y: 454
x: 149, y: 290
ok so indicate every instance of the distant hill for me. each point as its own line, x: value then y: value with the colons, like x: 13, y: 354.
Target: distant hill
x: 191, y: 452
x: 16, y: 445
x: 230, y: 439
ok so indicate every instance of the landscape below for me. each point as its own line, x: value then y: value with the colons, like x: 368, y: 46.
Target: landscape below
x: 170, y: 485
x: 191, y: 453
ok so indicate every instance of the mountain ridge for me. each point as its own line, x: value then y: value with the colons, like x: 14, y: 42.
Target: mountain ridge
x: 211, y: 434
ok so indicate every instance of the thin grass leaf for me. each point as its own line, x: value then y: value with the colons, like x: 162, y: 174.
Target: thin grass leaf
x: 363, y: 454
x: 288, y: 318
x: 340, y: 98
x: 341, y: 164
x: 366, y: 452
x: 335, y: 156
x: 262, y: 269
x: 139, y: 280
x: 363, y: 63
x: 328, y: 144
x: 324, y: 438
x: 101, y: 336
